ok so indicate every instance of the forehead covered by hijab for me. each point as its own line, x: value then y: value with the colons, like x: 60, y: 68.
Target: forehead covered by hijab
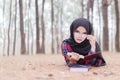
x: 81, y: 22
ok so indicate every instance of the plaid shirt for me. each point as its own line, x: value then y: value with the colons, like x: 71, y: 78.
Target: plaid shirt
x: 67, y: 48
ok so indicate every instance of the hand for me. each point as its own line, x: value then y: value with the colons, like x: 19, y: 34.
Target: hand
x: 74, y: 56
x: 92, y: 41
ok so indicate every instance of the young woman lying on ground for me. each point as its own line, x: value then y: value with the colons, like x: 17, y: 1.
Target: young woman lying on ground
x: 80, y: 44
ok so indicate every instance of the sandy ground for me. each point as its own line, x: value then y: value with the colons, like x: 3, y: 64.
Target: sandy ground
x: 53, y: 67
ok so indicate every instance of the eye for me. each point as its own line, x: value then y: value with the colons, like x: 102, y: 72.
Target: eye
x: 84, y: 35
x: 84, y: 32
x: 76, y: 31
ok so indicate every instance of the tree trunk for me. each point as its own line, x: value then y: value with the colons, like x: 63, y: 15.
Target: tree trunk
x: 9, y: 28
x: 61, y: 26
x: 52, y: 20
x: 99, y: 21
x: 56, y: 24
x: 90, y: 5
x: 31, y: 31
x: 82, y: 12
x: 117, y: 36
x: 100, y: 30
x: 57, y: 38
x: 4, y: 26
x: 14, y: 42
x: 105, y: 25
x: 88, y: 14
x: 31, y: 34
x: 61, y: 22
x: 23, y: 45
x: 43, y: 29
x: 28, y: 13
x: 31, y: 41
x: 37, y: 28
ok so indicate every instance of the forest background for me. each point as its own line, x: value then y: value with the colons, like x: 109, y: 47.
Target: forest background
x: 39, y: 26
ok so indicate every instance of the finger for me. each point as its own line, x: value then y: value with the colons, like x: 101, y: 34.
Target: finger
x: 91, y: 38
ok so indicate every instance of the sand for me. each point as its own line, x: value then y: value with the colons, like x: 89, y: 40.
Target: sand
x: 53, y: 67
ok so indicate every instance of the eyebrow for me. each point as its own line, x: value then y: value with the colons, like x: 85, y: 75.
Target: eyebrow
x: 78, y: 31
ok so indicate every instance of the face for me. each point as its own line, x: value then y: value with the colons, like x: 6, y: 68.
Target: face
x: 80, y: 34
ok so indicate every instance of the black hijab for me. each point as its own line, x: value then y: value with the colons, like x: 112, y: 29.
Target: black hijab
x: 84, y: 47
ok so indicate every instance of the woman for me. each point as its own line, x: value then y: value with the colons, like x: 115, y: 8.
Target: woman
x: 80, y: 44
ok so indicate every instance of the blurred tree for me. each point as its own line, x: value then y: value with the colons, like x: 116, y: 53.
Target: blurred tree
x: 52, y: 21
x: 4, y: 37
x: 32, y: 40
x: 99, y: 36
x: 82, y: 6
x: 56, y: 24
x: 43, y: 28
x: 14, y: 42
x: 105, y: 25
x: 37, y: 28
x: 23, y: 45
x: 9, y: 28
x: 117, y: 35
x: 28, y: 35
x: 90, y: 5
x: 61, y: 23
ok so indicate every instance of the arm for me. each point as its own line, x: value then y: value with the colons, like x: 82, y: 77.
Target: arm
x: 99, y: 61
x: 70, y: 56
x: 92, y: 41
x: 65, y: 50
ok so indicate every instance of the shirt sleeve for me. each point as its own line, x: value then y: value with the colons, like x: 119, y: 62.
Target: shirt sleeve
x: 65, y: 49
x: 98, y: 61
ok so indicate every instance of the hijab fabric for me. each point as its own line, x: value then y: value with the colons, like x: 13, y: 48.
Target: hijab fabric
x: 84, y: 47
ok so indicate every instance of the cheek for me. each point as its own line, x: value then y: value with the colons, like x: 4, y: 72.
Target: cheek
x: 75, y: 37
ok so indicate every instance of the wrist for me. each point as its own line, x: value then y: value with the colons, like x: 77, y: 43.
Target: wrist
x: 81, y: 56
x: 92, y: 52
x: 93, y: 48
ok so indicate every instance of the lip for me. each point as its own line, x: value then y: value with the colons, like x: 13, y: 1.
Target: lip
x: 79, y: 39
